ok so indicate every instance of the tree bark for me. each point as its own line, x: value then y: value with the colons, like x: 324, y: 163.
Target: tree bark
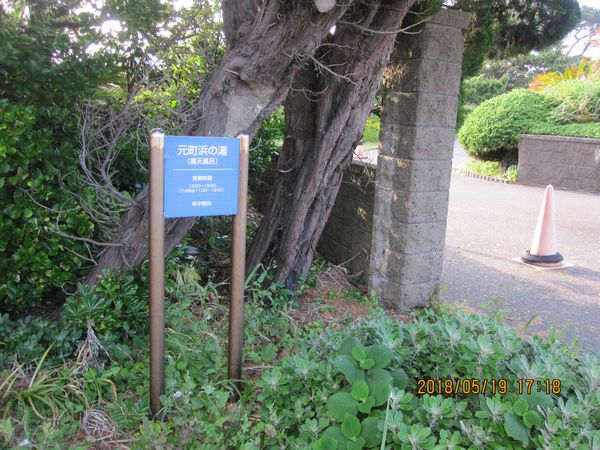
x: 325, y: 118
x: 251, y: 81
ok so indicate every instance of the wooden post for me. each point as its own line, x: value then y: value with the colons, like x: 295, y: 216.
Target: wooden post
x: 238, y: 275
x: 156, y: 245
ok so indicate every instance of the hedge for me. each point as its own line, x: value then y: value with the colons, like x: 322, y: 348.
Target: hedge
x: 492, y: 130
x: 589, y: 130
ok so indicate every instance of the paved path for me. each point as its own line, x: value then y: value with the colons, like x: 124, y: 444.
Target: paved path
x: 491, y: 223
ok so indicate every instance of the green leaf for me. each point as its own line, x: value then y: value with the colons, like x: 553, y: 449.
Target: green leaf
x: 348, y: 367
x: 360, y: 390
x: 536, y: 399
x: 325, y: 443
x: 482, y: 414
x: 356, y: 445
x: 370, y: 431
x: 596, y: 440
x: 341, y: 403
x: 515, y: 429
x: 348, y: 345
x: 380, y: 385
x: 520, y: 407
x: 367, y: 405
x: 381, y: 354
x: 350, y: 426
x: 181, y: 364
x: 367, y: 363
x: 358, y: 353
x: 532, y: 419
x: 335, y: 434
x: 400, y: 379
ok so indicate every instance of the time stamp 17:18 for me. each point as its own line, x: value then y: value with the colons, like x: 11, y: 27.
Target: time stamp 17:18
x: 466, y: 386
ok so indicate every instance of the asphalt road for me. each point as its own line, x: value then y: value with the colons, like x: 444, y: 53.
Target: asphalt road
x: 491, y: 223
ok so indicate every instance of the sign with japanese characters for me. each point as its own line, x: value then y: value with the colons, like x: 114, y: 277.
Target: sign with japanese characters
x: 201, y: 176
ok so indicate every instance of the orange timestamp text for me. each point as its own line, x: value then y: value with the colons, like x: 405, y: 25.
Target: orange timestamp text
x: 467, y: 386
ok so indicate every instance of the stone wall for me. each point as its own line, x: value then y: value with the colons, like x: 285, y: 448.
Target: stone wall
x: 564, y: 162
x: 347, y: 235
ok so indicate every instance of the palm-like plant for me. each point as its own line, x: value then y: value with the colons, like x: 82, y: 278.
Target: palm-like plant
x: 587, y: 69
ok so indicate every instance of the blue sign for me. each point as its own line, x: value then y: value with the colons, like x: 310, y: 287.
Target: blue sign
x: 201, y: 176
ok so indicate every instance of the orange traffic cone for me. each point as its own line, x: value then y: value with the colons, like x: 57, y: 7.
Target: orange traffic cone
x: 543, y: 246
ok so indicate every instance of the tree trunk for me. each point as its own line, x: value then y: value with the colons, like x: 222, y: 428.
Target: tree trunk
x: 251, y: 81
x: 325, y: 119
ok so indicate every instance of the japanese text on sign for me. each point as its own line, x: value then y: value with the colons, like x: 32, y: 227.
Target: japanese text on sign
x: 201, y: 176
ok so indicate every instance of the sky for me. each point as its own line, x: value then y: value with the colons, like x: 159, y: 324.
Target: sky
x: 593, y: 52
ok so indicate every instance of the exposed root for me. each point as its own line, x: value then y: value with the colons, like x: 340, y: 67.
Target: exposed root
x: 87, y: 354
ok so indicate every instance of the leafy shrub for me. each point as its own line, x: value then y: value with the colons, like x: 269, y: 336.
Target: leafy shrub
x: 26, y: 339
x: 116, y: 309
x: 36, y: 261
x: 372, y: 128
x: 479, y: 89
x: 492, y: 131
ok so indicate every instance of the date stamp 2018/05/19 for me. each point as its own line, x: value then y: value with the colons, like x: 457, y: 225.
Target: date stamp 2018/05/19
x: 467, y: 386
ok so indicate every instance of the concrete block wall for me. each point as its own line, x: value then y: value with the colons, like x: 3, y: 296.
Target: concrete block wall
x: 564, y: 162
x: 347, y: 235
x: 415, y: 162
x: 391, y: 222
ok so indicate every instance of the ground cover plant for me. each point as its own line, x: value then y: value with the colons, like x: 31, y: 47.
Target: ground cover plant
x: 341, y: 383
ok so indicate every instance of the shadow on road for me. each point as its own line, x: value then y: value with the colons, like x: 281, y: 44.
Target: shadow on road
x: 567, y: 300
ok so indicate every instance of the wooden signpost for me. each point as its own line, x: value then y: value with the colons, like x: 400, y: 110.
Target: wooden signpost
x: 190, y: 177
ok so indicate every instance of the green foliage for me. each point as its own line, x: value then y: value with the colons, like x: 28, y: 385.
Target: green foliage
x: 36, y: 261
x: 567, y: 108
x: 463, y: 347
x: 314, y: 387
x: 493, y: 169
x: 372, y: 128
x: 266, y: 143
x: 115, y: 310
x: 65, y: 85
x: 41, y: 65
x: 26, y: 339
x: 589, y: 130
x: 520, y: 69
x: 476, y: 90
x: 479, y: 89
x: 492, y: 130
x: 586, y: 70
x: 512, y: 173
x: 579, y: 101
x: 508, y: 27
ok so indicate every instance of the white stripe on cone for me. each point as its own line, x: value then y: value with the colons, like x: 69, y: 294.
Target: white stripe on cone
x: 544, y: 238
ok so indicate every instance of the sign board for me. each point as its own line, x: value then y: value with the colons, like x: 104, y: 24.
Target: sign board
x: 189, y: 177
x: 201, y: 176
